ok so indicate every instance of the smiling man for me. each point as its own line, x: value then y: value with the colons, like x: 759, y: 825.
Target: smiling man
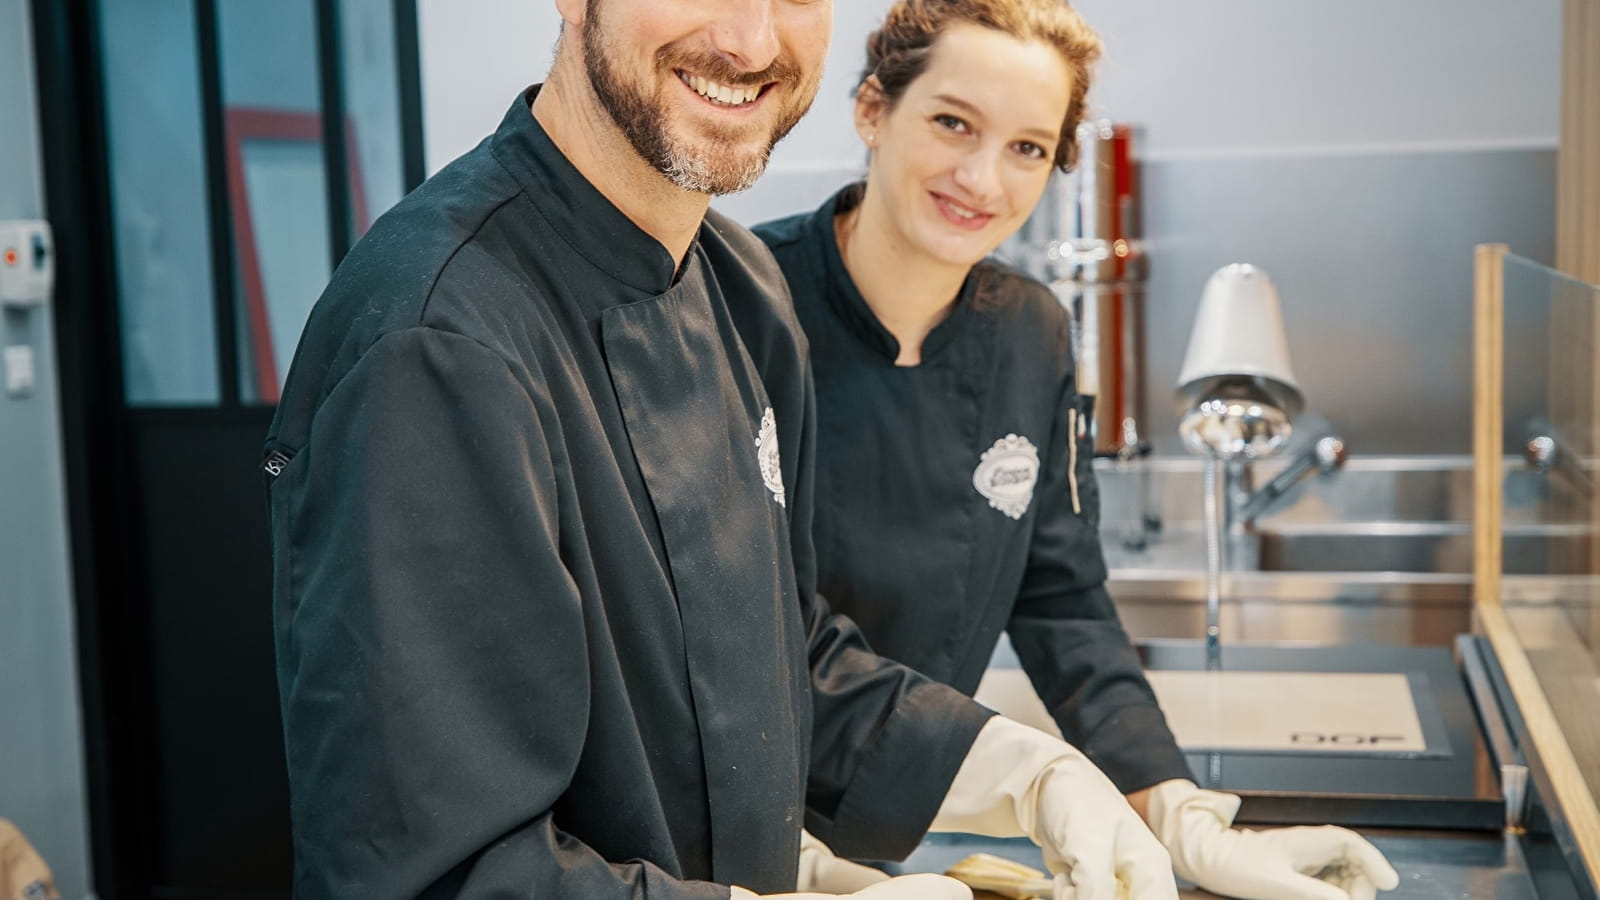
x: 540, y: 495
x: 718, y: 140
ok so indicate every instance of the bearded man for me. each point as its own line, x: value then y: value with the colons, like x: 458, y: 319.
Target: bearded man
x: 540, y: 495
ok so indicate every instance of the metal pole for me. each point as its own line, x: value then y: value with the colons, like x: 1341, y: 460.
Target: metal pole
x: 1214, y: 563
x: 224, y: 272
x: 1214, y: 511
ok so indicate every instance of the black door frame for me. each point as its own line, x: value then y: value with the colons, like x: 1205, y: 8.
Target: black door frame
x: 104, y: 496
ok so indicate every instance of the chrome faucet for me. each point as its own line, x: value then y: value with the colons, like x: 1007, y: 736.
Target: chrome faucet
x: 1242, y: 503
x: 1245, y: 505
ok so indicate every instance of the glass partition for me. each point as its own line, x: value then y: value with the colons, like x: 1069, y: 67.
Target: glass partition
x: 156, y: 149
x: 224, y: 181
x: 1537, y: 401
x: 277, y: 181
x: 1551, y: 510
x: 372, y: 109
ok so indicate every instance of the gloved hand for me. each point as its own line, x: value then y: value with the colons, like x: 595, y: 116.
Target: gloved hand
x: 906, y: 887
x: 1319, y: 863
x: 824, y: 873
x: 1020, y: 781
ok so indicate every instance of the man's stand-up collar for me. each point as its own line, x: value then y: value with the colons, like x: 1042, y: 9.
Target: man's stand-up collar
x: 575, y: 208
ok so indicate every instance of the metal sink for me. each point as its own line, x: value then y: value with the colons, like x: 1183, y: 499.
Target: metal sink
x: 1379, y: 551
x: 1415, y: 547
x: 1377, y: 514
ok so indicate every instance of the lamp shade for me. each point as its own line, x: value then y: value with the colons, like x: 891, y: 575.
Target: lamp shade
x: 1238, y: 336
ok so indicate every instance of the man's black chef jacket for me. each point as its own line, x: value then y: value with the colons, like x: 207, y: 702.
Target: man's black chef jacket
x: 541, y: 630
x: 945, y: 497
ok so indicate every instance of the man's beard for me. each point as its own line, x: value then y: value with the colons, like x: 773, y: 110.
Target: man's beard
x: 709, y: 169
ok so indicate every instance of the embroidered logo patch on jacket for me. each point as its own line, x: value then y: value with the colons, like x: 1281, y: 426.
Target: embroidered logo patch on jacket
x: 767, y: 456
x: 1006, y: 474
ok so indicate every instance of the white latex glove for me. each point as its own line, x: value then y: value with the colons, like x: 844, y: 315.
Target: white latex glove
x: 1317, y: 863
x: 1017, y: 780
x: 824, y: 873
x: 906, y: 887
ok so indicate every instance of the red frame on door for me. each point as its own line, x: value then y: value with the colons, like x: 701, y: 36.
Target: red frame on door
x: 242, y: 125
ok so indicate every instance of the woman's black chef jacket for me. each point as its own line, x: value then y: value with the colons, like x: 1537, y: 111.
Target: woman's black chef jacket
x: 952, y: 502
x: 541, y: 631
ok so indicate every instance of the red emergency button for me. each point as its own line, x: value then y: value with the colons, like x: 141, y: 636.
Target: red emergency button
x: 11, y: 256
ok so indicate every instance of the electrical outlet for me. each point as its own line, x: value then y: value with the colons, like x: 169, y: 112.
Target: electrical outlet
x: 19, y: 370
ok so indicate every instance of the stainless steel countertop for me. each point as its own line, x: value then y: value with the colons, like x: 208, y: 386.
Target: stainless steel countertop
x: 1433, y: 865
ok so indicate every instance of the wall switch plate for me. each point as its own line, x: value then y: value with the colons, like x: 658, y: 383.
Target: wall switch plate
x: 27, y: 263
x: 19, y: 370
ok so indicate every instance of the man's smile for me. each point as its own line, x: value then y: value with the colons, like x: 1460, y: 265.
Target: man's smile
x: 722, y: 95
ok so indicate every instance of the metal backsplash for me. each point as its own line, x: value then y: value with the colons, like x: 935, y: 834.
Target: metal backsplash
x: 1372, y: 255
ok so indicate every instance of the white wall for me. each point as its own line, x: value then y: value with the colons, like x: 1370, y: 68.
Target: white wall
x: 41, y: 734
x: 476, y: 55
x: 1217, y: 77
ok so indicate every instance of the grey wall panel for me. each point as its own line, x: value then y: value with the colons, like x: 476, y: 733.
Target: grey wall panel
x: 41, y: 758
x: 1372, y: 255
x: 1220, y: 76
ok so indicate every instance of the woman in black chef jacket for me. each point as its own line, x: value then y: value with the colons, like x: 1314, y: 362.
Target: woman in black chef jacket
x: 955, y: 493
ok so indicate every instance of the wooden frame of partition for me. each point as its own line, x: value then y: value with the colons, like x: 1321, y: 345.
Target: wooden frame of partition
x: 1554, y: 767
x: 1578, y: 158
